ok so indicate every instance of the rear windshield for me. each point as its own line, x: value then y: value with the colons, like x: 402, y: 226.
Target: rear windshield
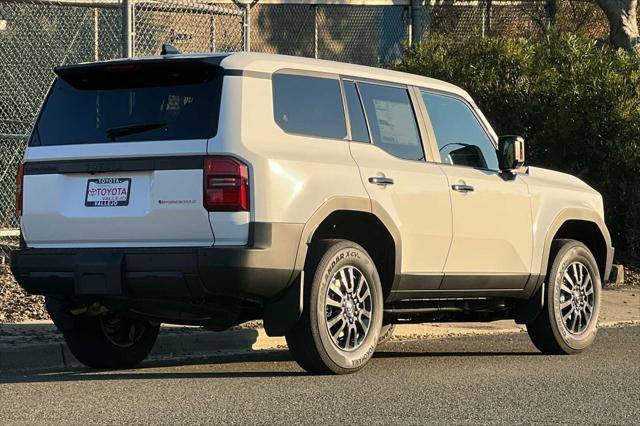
x: 131, y: 102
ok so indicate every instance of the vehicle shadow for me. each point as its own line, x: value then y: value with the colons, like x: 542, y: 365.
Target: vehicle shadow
x: 170, y: 369
x: 461, y: 354
x: 280, y: 364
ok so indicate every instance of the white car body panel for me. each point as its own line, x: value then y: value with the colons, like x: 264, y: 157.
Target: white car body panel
x: 55, y: 215
x: 492, y: 224
x: 418, y: 202
x: 552, y: 193
x: 293, y: 176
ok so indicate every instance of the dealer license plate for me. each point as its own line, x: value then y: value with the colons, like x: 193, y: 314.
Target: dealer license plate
x: 108, y: 192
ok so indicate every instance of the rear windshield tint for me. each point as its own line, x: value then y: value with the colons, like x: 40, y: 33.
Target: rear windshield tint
x: 131, y: 102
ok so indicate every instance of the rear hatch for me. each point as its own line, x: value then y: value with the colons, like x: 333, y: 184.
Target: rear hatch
x: 117, y: 155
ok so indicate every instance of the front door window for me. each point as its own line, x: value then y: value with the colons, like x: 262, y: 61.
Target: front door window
x: 461, y: 139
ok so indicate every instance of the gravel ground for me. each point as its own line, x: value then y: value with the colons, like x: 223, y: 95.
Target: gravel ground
x: 632, y: 276
x: 15, y: 304
x: 18, y: 306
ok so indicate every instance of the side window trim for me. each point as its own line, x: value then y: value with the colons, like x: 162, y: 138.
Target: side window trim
x: 434, y: 143
x: 424, y: 124
x: 307, y: 73
x: 364, y: 111
x: 431, y: 142
x: 356, y: 79
x: 345, y: 107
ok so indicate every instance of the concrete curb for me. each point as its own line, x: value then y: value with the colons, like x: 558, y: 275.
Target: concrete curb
x: 50, y: 356
x: 620, y: 308
x: 171, y: 345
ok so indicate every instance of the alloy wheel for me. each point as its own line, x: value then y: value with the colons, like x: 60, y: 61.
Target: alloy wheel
x: 348, y: 308
x: 577, y: 298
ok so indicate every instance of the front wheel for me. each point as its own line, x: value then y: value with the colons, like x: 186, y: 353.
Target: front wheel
x: 568, y: 322
x: 105, y: 341
x: 340, y: 325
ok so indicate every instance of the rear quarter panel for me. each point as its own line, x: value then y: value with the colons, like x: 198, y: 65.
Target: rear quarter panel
x: 291, y: 176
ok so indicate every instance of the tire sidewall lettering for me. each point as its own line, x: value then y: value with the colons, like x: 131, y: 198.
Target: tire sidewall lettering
x: 360, y: 356
x: 345, y: 254
x: 358, y: 362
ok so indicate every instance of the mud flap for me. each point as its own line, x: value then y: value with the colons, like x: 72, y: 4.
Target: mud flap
x: 99, y: 274
x: 527, y: 310
x: 281, y: 314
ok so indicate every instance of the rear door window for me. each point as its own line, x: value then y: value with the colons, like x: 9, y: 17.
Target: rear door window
x: 308, y: 105
x: 392, y: 120
x: 131, y: 102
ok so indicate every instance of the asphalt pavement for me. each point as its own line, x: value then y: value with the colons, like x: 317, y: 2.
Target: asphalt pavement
x: 474, y: 379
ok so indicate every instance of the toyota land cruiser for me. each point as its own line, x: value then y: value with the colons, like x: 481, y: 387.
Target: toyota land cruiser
x: 330, y: 200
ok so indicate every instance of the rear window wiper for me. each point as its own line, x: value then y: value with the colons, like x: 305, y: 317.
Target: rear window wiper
x: 130, y: 129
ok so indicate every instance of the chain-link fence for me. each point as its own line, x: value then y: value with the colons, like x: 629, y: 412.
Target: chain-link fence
x: 368, y: 35
x: 463, y: 19
x: 37, y: 35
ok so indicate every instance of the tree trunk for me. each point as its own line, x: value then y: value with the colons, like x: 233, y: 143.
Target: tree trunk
x: 623, y: 23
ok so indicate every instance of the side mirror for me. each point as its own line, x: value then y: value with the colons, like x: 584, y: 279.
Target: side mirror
x: 510, y: 152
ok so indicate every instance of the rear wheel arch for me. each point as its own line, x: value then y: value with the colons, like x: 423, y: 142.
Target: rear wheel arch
x: 355, y: 219
x: 346, y: 218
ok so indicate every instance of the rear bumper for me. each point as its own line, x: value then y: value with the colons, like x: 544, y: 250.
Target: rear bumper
x: 259, y: 271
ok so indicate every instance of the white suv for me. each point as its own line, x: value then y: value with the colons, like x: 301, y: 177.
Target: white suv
x: 330, y: 200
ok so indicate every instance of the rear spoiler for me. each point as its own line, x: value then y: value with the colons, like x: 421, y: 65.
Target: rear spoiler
x: 148, y: 72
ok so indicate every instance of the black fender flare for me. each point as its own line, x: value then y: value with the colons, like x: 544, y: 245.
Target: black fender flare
x: 284, y: 311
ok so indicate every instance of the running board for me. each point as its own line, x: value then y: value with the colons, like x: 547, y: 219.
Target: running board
x: 447, y: 310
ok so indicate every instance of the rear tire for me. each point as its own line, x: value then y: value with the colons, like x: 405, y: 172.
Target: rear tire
x: 568, y: 322
x: 104, y: 341
x: 340, y: 324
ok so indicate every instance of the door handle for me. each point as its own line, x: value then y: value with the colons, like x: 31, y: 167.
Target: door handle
x: 462, y: 188
x: 379, y: 180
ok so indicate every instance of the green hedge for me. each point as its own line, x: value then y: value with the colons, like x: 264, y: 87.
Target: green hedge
x: 577, y: 104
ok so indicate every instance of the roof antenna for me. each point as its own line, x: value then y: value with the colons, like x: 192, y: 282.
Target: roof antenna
x: 168, y: 49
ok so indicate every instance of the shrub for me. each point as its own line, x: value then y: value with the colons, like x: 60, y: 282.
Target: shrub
x: 577, y: 104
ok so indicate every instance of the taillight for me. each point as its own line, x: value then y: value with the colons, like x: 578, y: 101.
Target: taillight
x: 226, y: 185
x: 19, y: 189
